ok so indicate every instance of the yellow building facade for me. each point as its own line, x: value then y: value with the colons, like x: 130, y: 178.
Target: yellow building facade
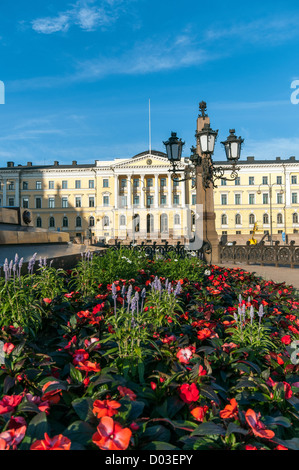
x: 136, y: 198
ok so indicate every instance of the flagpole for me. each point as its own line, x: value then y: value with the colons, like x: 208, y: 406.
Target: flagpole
x: 149, y: 125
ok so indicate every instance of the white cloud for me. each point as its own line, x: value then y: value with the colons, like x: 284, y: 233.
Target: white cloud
x: 88, y: 17
x: 51, y: 25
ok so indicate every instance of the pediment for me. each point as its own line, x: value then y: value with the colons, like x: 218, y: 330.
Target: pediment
x: 143, y: 161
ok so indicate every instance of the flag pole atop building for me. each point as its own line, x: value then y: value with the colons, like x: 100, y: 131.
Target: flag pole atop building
x: 149, y: 125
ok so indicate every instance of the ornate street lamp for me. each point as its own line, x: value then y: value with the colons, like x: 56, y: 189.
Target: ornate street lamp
x: 206, y: 139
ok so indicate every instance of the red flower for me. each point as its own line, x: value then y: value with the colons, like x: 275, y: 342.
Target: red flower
x: 258, y: 428
x: 89, y: 366
x: 204, y: 333
x: 286, y: 339
x: 3, y: 444
x: 80, y: 355
x: 58, y: 442
x: 52, y: 396
x: 13, y: 436
x: 105, y: 408
x: 189, y: 393
x: 199, y: 412
x: 9, y: 403
x: 230, y: 411
x: 124, y: 391
x: 111, y: 436
x: 8, y: 347
x: 47, y: 301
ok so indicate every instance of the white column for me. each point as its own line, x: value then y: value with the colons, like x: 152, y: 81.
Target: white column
x: 116, y: 191
x: 142, y: 192
x: 17, y: 194
x: 129, y: 192
x: 156, y: 193
x: 183, y: 203
x: 169, y: 191
x: 287, y: 190
x: 4, y: 192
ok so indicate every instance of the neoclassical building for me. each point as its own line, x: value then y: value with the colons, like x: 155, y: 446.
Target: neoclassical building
x: 136, y: 198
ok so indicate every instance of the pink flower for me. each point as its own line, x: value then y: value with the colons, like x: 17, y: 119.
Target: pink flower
x: 184, y: 355
x: 9, y: 403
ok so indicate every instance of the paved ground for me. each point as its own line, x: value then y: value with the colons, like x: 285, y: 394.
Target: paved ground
x: 42, y: 250
x: 284, y: 274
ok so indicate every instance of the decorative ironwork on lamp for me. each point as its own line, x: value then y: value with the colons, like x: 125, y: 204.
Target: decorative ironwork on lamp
x: 206, y: 139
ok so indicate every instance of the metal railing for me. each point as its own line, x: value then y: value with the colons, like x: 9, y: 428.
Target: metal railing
x: 276, y: 255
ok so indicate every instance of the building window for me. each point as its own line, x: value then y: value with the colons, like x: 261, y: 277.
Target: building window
x: 51, y: 184
x: 64, y: 202
x: 176, y: 199
x: 175, y: 183
x: 123, y: 183
x: 38, y: 185
x: 78, y: 201
x: 163, y: 182
x: 64, y: 184
x: 38, y: 202
x: 91, y: 184
x: 11, y: 186
x: 105, y: 183
x: 251, y: 180
x: 265, y: 219
x: 193, y: 199
x: 279, y: 218
x: 26, y: 203
x: 65, y: 222
x: 265, y: 198
x: 91, y: 201
x: 11, y: 202
x: 251, y: 199
x: 106, y: 201
x: 91, y: 221
x: 39, y: 222
x: 237, y: 181
x: 78, y: 184
x: 238, y: 220
x: 136, y: 200
x: 163, y: 223
x: 265, y: 179
x: 51, y: 222
x: 149, y: 201
x: 279, y: 198
x: 223, y: 182
x: 295, y: 218
x: 279, y: 180
x: 163, y: 200
x: 223, y: 199
x: 122, y: 220
x: 51, y: 203
x: 78, y: 221
x: 25, y: 185
x: 149, y: 182
x: 123, y: 201
x: 177, y: 219
x: 251, y: 219
x: 294, y: 198
x: 237, y: 199
x: 106, y: 221
x: 223, y: 219
x: 293, y: 179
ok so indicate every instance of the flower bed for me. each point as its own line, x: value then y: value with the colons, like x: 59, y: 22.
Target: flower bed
x: 123, y: 353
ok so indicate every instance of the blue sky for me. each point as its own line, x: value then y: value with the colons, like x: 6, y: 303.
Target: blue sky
x: 79, y: 76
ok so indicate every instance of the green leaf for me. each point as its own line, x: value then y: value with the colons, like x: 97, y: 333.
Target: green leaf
x: 208, y: 392
x: 235, y: 428
x: 208, y: 429
x: 83, y: 408
x: 79, y: 432
x: 158, y: 445
x: 36, y: 430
